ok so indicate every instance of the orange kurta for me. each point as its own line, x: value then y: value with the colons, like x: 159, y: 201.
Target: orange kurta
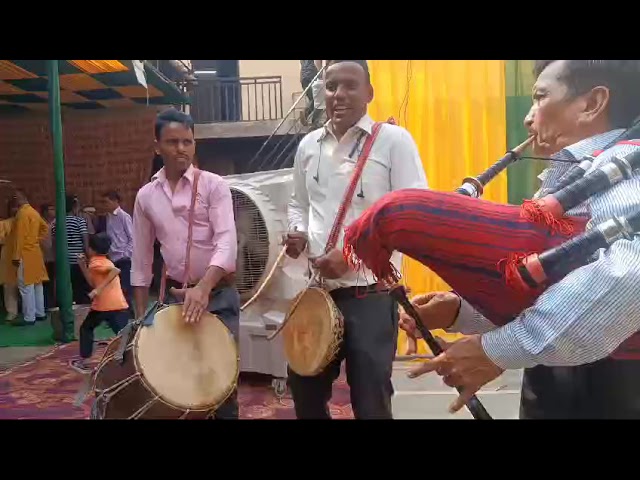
x: 5, y: 252
x: 29, y: 229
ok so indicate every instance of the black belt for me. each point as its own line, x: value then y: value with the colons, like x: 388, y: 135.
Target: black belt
x: 171, y: 283
x: 357, y: 291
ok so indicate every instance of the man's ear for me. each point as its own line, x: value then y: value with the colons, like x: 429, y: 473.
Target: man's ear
x: 370, y: 94
x: 595, y: 106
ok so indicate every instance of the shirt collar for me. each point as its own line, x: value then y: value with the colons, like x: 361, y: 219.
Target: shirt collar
x: 581, y: 149
x: 116, y: 211
x: 588, y: 145
x: 365, y: 124
x: 161, y: 175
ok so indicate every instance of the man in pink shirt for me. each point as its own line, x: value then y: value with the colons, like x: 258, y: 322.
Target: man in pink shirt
x: 161, y: 212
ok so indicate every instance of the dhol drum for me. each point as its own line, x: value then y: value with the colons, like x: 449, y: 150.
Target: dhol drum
x: 313, y: 332
x: 170, y: 370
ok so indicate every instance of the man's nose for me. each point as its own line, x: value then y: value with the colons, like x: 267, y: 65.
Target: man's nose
x: 528, y: 120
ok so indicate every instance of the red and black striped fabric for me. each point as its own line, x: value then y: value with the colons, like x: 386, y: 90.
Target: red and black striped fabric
x: 463, y: 240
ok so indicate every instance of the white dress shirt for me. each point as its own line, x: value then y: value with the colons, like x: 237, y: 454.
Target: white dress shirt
x: 588, y: 314
x: 323, y: 170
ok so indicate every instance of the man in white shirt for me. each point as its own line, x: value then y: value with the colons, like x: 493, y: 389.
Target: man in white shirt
x: 323, y: 168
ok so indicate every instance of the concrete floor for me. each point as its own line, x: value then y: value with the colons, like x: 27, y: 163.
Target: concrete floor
x: 427, y: 397
x: 12, y: 356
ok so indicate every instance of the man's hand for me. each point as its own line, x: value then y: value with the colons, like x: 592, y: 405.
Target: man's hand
x: 82, y: 260
x: 331, y: 265
x: 463, y: 364
x: 196, y: 301
x: 436, y: 309
x: 296, y: 243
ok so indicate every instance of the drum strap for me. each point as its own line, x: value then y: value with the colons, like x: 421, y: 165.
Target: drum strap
x: 163, y: 278
x: 351, y: 189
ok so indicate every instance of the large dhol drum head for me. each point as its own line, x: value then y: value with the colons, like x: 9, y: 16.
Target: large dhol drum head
x: 172, y: 369
x: 313, y: 332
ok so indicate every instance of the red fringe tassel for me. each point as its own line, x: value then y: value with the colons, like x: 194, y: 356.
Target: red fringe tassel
x: 532, y: 211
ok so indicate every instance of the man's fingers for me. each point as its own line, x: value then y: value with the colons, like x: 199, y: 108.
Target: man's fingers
x: 423, y: 299
x: 177, y: 293
x: 412, y: 344
x: 462, y: 399
x: 443, y: 343
x: 426, y: 367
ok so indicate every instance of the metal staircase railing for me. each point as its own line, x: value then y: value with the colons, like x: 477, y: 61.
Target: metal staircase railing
x: 277, y: 154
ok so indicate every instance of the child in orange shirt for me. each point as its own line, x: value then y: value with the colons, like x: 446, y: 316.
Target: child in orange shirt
x: 108, y: 302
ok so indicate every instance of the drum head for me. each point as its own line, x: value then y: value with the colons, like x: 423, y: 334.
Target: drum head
x: 309, y: 333
x: 191, y: 366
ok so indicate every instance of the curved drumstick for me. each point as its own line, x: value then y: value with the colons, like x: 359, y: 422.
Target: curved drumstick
x: 266, y: 280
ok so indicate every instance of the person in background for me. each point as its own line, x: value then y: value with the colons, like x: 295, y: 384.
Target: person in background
x: 77, y: 243
x: 108, y: 303
x: 308, y: 71
x: 88, y: 212
x: 120, y: 231
x: 29, y: 230
x: 48, y: 213
x: 9, y: 289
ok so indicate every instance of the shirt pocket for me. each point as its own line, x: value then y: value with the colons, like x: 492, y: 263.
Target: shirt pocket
x: 374, y: 181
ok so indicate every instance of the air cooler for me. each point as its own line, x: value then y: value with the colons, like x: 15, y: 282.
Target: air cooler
x: 260, y: 206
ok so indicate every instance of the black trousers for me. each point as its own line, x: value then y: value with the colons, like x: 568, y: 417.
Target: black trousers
x: 606, y: 389
x: 79, y: 286
x: 225, y: 304
x: 124, y: 264
x: 116, y: 320
x: 368, y: 347
x: 49, y: 287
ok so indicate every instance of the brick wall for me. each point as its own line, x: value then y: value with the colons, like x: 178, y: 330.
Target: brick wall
x: 102, y: 150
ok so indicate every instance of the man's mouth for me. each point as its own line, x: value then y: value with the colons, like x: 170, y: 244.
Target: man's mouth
x: 340, y: 109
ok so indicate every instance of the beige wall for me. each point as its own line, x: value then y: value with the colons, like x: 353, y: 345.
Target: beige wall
x: 289, y: 70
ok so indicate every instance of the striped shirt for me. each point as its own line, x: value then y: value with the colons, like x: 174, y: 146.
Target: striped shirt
x: 76, y: 230
x: 588, y: 314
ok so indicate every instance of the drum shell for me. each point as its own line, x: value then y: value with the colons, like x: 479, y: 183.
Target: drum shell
x: 126, y: 402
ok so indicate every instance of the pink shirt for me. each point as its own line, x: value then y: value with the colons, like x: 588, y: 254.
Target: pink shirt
x: 161, y: 214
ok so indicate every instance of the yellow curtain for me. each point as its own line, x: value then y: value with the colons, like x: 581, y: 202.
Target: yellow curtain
x: 456, y: 112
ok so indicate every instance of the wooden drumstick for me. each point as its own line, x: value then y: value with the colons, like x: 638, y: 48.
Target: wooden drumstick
x: 266, y: 280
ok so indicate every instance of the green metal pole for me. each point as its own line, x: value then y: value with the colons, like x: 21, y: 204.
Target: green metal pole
x: 63, y: 274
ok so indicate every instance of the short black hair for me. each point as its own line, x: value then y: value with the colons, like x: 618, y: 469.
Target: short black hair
x: 100, y: 243
x: 621, y: 77
x: 70, y: 202
x: 362, y: 63
x: 172, y: 115
x: 112, y: 195
x: 44, y: 207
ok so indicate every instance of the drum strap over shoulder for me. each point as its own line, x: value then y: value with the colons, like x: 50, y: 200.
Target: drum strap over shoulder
x: 348, y: 194
x: 163, y: 278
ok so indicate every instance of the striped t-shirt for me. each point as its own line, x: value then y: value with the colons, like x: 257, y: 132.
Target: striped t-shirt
x: 76, y: 229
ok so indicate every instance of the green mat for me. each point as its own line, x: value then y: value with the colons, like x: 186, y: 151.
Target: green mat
x: 38, y: 335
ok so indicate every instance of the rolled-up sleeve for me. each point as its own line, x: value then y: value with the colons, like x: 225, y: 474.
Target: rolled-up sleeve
x: 470, y: 321
x: 143, y: 238
x: 225, y: 237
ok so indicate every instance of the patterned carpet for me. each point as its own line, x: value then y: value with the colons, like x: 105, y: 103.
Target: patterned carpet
x: 45, y: 388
